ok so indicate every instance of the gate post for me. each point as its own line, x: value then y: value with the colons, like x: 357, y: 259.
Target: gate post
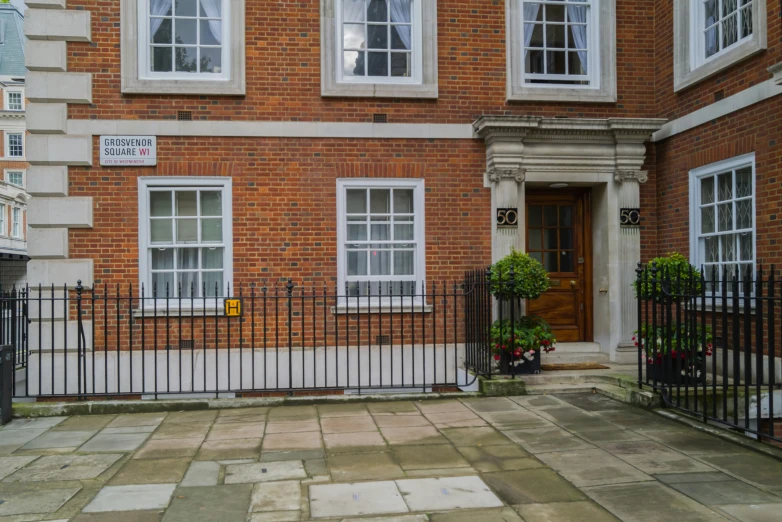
x: 6, y: 382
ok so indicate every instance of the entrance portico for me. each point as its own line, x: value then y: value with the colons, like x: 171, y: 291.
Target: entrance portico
x: 604, y: 155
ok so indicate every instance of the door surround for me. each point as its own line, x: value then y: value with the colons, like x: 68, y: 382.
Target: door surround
x: 605, y: 154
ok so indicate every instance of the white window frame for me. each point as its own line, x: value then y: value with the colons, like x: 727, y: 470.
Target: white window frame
x: 8, y: 145
x: 691, y: 65
x: 417, y: 185
x: 16, y: 223
x: 134, y: 53
x: 602, y: 59
x: 3, y: 218
x: 8, y: 93
x: 145, y: 262
x: 593, y: 44
x: 144, y: 49
x: 416, y: 54
x: 697, y: 248
x: 423, y: 82
x: 9, y: 172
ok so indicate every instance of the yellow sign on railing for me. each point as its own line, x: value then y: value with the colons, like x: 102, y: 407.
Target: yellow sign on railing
x: 233, y: 307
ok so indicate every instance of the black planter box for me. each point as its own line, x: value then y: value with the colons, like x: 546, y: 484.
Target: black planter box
x: 529, y: 366
x: 668, y: 373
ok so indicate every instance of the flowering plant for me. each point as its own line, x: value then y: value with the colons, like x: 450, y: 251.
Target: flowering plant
x: 523, y: 338
x: 683, y: 338
x: 680, y: 278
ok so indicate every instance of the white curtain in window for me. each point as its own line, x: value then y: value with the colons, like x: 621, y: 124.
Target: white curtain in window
x: 578, y: 14
x: 401, y: 13
x: 157, y: 8
x: 212, y: 8
x: 530, y: 13
x: 353, y: 10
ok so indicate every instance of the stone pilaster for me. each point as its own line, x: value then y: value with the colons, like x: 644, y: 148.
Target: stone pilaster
x: 629, y: 248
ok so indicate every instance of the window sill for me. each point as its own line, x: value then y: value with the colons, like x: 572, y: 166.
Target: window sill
x: 386, y: 308
x: 555, y: 93
x: 379, y: 90
x: 175, y: 311
x: 683, y: 80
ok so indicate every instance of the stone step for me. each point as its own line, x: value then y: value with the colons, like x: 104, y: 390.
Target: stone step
x: 578, y: 348
x: 573, y: 357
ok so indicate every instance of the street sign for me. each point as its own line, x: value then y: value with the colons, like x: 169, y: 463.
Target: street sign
x: 128, y: 151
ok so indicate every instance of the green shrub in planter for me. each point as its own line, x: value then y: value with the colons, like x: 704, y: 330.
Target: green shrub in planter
x: 684, y: 278
x: 529, y: 279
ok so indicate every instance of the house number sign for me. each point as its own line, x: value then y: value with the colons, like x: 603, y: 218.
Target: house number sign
x: 507, y: 217
x: 630, y: 217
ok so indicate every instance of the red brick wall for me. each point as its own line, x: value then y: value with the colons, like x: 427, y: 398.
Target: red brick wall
x: 284, y: 202
x: 755, y: 129
x: 283, y: 70
x: 728, y: 81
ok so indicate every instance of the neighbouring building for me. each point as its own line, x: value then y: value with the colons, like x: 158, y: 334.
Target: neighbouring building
x: 13, y: 198
x: 372, y: 145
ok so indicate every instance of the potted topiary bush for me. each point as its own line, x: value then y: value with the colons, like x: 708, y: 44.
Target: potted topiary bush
x: 674, y: 353
x: 517, y: 340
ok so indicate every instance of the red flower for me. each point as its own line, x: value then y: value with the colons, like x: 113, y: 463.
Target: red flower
x: 504, y: 347
x: 545, y: 342
x: 496, y: 357
x: 517, y: 353
x: 636, y: 343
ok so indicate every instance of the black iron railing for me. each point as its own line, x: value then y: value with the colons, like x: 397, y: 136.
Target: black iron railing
x: 283, y: 338
x: 711, y: 344
x: 13, y: 323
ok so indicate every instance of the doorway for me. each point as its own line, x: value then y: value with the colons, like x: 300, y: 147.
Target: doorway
x: 559, y: 236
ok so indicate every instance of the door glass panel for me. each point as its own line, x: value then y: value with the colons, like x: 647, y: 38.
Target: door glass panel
x: 534, y: 214
x: 550, y: 239
x: 550, y: 261
x: 566, y: 239
x: 535, y: 241
x: 566, y: 216
x: 550, y: 216
x: 566, y: 262
x: 537, y: 256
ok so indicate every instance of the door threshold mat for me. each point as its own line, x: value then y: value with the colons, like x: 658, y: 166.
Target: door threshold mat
x: 572, y: 366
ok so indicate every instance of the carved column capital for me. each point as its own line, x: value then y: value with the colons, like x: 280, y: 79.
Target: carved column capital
x: 498, y: 174
x: 639, y: 176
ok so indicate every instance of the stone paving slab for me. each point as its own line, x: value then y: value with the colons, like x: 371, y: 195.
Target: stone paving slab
x: 363, y: 466
x: 64, y: 467
x: 653, y: 458
x: 156, y: 449
x: 121, y: 516
x: 85, y: 423
x: 114, y: 442
x: 210, y: 504
x: 349, y: 500
x: 753, y: 512
x: 276, y: 496
x: 264, y: 472
x: 565, y: 512
x: 59, y: 439
x: 161, y: 471
x: 41, y: 423
x: 725, y: 492
x: 230, y: 449
x: 440, y: 494
x: 592, y: 468
x: 9, y: 465
x: 202, y: 474
x: 34, y: 501
x: 137, y: 419
x: 478, y: 515
x: 131, y: 498
x: 644, y: 502
x: 532, y: 486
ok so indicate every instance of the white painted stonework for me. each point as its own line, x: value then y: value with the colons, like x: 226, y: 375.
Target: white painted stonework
x: 604, y: 154
x: 57, y: 24
x: 47, y: 180
x: 59, y: 149
x: 45, y: 55
x: 47, y: 118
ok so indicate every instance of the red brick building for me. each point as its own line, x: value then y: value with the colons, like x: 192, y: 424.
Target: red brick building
x: 283, y: 130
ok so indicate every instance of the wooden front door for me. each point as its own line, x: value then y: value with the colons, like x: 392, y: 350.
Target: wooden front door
x: 558, y: 235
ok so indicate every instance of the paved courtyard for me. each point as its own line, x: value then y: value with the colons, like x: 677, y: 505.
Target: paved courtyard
x: 579, y: 457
